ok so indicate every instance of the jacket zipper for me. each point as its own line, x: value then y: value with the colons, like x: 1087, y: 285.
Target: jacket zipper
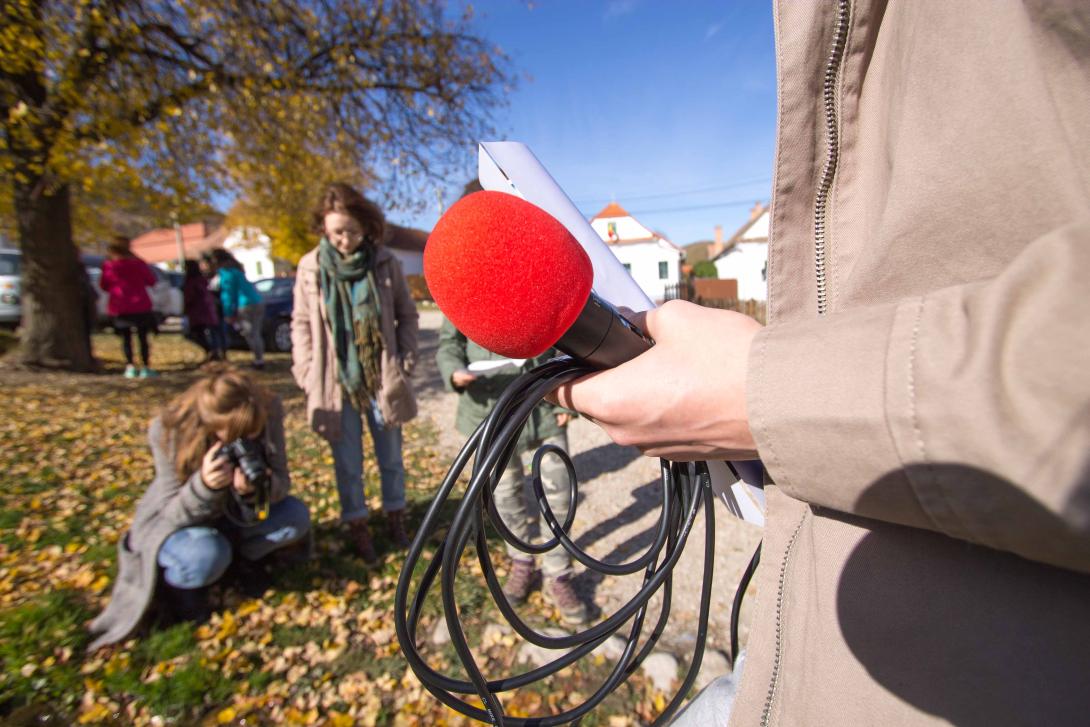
x: 821, y: 204
x: 832, y: 146
x: 766, y: 714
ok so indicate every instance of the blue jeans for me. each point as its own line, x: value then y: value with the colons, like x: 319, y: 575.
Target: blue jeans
x: 348, y: 463
x: 199, y: 555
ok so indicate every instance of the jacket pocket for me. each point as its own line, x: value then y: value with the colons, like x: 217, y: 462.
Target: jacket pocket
x: 395, y: 398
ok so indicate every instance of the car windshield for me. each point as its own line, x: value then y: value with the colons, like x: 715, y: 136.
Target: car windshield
x: 9, y: 263
x: 272, y: 285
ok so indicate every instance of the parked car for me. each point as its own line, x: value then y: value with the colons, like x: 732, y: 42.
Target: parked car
x: 276, y: 293
x: 10, y: 278
x: 166, y: 294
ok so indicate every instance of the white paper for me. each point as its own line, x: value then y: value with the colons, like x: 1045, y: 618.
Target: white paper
x: 509, y: 166
x: 740, y: 498
x: 488, y: 367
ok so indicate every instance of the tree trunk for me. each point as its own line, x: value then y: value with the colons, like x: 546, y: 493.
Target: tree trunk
x: 55, y: 330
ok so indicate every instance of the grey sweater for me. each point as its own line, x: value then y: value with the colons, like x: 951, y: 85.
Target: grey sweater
x: 169, y: 505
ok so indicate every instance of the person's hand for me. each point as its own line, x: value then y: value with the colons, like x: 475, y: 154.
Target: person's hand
x: 562, y: 418
x: 241, y: 484
x: 216, y: 471
x: 462, y: 378
x: 685, y: 398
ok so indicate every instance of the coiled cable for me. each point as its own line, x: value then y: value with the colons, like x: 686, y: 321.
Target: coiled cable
x: 685, y: 490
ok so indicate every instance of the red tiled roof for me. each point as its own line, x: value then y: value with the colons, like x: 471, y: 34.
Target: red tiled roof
x: 611, y: 210
x: 405, y: 238
x: 161, y: 245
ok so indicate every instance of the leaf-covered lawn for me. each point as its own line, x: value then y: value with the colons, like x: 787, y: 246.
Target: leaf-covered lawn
x: 318, y: 648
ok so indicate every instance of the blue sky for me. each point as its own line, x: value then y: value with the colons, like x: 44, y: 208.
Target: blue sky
x: 667, y: 107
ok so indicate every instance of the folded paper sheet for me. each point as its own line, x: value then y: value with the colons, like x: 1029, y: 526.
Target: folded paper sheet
x: 510, y: 166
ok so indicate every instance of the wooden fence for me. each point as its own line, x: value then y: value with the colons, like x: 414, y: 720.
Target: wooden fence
x: 686, y: 291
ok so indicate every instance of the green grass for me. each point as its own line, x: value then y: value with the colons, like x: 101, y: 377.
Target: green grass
x: 75, y: 458
x: 35, y: 634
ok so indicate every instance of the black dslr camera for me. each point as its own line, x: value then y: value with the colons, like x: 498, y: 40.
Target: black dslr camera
x: 249, y: 456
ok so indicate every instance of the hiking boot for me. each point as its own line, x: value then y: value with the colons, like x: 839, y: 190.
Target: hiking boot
x: 395, y: 520
x: 519, y: 580
x: 559, y: 592
x: 360, y: 535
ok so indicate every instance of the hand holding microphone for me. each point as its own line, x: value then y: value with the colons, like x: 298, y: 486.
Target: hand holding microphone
x: 515, y: 281
x: 512, y: 279
x: 683, y: 399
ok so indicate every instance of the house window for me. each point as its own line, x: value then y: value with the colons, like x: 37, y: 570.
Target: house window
x: 664, y: 270
x: 628, y: 268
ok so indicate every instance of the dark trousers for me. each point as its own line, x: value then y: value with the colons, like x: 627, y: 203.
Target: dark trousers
x: 210, y: 338
x: 126, y: 344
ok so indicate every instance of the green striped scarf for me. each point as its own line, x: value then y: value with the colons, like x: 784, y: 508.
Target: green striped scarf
x: 352, y: 304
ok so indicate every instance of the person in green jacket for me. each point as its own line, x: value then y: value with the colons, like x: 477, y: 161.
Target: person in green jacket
x: 477, y: 394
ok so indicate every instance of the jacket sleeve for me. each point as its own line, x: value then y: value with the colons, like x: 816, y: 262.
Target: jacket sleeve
x: 278, y: 453
x: 184, y: 503
x: 302, y: 347
x: 450, y: 355
x: 149, y: 277
x: 406, y: 317
x: 229, y: 290
x: 965, y: 410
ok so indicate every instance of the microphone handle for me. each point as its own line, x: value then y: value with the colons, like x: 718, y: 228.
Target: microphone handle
x: 602, y: 337
x: 605, y: 339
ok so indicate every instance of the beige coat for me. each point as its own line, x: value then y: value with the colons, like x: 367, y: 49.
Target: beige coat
x: 922, y: 396
x: 314, y: 360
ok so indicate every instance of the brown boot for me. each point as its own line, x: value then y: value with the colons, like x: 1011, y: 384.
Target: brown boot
x: 519, y: 580
x: 559, y: 592
x: 360, y: 535
x: 395, y: 520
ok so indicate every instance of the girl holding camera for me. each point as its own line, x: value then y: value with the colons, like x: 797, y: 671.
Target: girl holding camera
x: 184, y: 535
x: 353, y: 349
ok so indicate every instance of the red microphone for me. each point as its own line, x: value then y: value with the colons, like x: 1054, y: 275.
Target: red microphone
x: 513, y: 279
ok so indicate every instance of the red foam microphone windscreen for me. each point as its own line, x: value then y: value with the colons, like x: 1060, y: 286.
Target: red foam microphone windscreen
x: 506, y: 273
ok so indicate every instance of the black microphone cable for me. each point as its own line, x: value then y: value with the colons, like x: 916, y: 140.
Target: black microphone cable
x: 685, y: 490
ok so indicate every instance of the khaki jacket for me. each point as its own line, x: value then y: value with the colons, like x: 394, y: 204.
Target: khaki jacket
x: 314, y: 359
x: 921, y: 398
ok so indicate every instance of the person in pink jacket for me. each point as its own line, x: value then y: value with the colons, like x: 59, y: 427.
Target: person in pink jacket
x: 126, y: 279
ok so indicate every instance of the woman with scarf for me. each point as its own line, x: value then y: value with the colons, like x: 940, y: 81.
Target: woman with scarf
x: 353, y: 335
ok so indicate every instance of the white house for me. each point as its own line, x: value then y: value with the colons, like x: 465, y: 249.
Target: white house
x: 407, y: 245
x: 653, y: 261
x: 253, y: 249
x: 745, y: 258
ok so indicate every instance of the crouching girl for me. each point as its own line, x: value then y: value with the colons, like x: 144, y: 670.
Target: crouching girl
x: 194, y: 517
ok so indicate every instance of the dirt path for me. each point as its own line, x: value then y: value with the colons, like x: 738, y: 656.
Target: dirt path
x: 617, y: 515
